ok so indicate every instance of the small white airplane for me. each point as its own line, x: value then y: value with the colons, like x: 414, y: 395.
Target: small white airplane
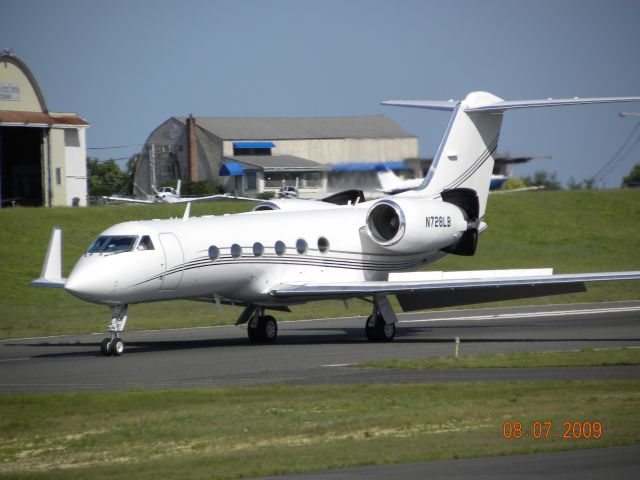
x: 268, y: 260
x: 392, y: 184
x: 173, y: 195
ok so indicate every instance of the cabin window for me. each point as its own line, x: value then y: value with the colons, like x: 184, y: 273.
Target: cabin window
x: 258, y: 249
x: 323, y: 245
x: 113, y: 244
x: 214, y: 252
x: 145, y: 243
x: 236, y: 250
x: 302, y: 246
x: 280, y: 248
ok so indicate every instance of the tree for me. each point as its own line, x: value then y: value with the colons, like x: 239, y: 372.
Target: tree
x: 105, y: 178
x: 543, y: 178
x: 633, y: 179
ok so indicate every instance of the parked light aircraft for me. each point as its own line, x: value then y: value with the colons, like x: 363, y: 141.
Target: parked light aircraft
x: 173, y: 195
x: 392, y: 184
x: 268, y: 260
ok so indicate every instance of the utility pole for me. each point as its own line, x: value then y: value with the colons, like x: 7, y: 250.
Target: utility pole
x: 152, y: 164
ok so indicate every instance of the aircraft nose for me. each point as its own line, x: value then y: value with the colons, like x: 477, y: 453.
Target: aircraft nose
x: 88, y: 285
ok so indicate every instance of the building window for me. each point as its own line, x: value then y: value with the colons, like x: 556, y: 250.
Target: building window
x: 251, y: 181
x: 254, y: 152
x: 58, y: 176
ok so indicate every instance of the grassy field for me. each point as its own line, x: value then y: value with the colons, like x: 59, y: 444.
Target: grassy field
x: 281, y: 429
x: 576, y: 231
x: 583, y: 358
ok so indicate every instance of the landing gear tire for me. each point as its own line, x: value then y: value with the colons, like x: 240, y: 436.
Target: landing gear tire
x: 265, y: 332
x: 377, y: 330
x: 105, y: 347
x: 370, y: 330
x: 268, y: 329
x: 117, y: 347
x: 385, y: 331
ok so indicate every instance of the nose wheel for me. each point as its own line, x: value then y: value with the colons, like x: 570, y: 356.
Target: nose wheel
x: 113, y: 345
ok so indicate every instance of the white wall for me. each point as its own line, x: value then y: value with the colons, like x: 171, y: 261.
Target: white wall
x: 75, y: 171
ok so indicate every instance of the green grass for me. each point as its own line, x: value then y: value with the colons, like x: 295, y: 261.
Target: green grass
x: 576, y: 231
x: 284, y: 429
x: 583, y: 358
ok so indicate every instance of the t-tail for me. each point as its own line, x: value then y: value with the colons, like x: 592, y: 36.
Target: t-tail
x: 465, y: 157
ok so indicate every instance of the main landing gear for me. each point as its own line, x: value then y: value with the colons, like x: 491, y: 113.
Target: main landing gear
x: 261, y: 328
x: 381, y: 324
x: 113, y: 345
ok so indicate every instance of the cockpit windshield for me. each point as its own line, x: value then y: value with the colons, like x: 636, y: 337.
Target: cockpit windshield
x: 113, y: 244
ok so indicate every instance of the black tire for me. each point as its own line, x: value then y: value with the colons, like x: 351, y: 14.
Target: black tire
x: 117, y: 347
x: 384, y: 331
x: 370, y: 330
x: 105, y: 347
x: 252, y: 333
x: 268, y: 329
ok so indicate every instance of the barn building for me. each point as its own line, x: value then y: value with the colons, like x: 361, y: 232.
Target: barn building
x: 42, y: 153
x: 251, y: 155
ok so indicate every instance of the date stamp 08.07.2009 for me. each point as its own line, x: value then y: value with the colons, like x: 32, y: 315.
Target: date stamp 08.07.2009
x: 545, y: 429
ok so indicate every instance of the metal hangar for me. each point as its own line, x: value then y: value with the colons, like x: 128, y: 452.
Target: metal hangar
x: 42, y: 153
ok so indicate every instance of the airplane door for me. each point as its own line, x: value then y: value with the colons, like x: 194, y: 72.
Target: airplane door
x: 173, y: 259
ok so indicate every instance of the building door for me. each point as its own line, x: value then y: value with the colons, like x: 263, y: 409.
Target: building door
x: 21, y: 166
x: 173, y: 261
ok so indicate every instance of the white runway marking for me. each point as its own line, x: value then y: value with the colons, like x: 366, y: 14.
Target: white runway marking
x: 558, y: 313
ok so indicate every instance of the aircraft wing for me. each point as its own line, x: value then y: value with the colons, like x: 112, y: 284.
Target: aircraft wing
x: 221, y: 196
x: 128, y: 200
x: 423, y: 290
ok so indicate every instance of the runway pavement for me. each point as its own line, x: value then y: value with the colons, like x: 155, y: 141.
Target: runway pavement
x: 621, y: 463
x: 321, y: 351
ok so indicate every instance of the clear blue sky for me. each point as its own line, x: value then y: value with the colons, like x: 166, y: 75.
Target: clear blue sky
x: 126, y: 66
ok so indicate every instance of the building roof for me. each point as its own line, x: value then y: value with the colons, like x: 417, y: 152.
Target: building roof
x: 275, y: 162
x: 37, y: 119
x: 300, y: 128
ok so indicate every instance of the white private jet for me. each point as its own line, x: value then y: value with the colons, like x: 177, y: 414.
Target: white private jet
x: 173, y: 195
x: 272, y: 259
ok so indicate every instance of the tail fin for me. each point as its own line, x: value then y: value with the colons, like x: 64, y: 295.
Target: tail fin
x: 179, y: 187
x: 465, y: 156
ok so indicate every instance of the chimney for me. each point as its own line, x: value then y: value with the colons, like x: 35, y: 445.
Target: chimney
x: 192, y: 150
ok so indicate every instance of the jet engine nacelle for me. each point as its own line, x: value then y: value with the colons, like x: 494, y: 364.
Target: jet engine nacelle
x: 409, y: 225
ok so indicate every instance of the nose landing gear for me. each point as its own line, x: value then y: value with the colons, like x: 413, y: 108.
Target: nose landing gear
x: 113, y: 345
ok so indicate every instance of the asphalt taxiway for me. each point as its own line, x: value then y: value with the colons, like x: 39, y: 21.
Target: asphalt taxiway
x: 322, y: 351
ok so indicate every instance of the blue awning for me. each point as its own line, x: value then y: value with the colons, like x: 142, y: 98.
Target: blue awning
x: 368, y: 166
x: 231, y: 169
x: 253, y: 144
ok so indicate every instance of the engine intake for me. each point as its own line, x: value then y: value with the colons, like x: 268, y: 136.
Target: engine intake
x: 386, y: 223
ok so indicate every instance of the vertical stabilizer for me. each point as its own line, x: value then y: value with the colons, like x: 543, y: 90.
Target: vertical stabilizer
x: 464, y: 159
x: 465, y: 156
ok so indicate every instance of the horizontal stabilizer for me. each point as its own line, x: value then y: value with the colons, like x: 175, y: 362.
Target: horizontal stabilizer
x: 431, y: 105
x: 503, y: 105
x: 51, y: 275
x: 549, y: 102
